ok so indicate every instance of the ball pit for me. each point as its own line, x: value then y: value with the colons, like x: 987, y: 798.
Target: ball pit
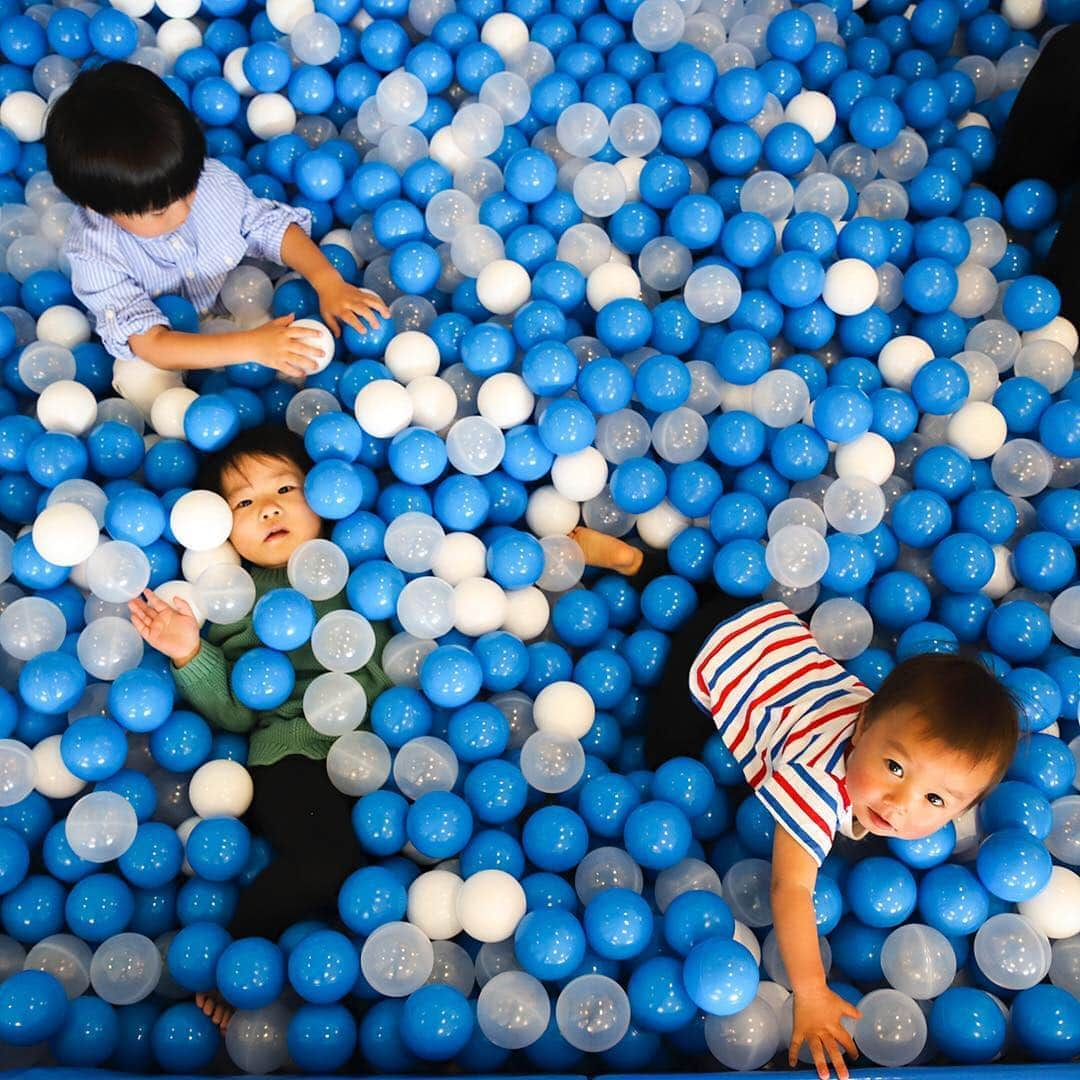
x: 720, y: 275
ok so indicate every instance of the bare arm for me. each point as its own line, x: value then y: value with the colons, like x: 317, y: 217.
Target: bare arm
x: 817, y: 1009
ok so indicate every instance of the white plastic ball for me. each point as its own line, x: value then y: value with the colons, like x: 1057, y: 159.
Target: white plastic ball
x: 869, y: 457
x: 460, y: 556
x: 1064, y: 617
x: 505, y: 400
x: 479, y: 606
x: 1055, y: 911
x: 434, y: 402
x: 660, y: 525
x: 851, y: 287
x: 63, y: 325
x: 66, y: 534
x: 233, y: 71
x: 550, y: 514
x: 51, y: 776
x: 564, y: 709
x: 901, y: 358
x: 201, y: 520
x: 611, y: 281
x: 502, y: 286
x: 506, y: 33
x: 269, y: 115
x: 812, y: 111
x: 978, y: 429
x: 527, y: 613
x: 220, y: 789
x: 168, y: 411
x: 410, y: 355
x: 22, y: 112
x: 433, y: 904
x: 580, y: 476
x: 285, y: 14
x: 67, y: 406
x: 324, y: 343
x: 383, y: 408
x: 174, y: 36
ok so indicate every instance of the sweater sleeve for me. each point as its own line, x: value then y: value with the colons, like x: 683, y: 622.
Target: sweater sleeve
x: 204, y: 683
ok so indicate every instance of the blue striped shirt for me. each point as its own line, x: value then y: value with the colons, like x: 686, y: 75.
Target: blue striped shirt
x: 787, y: 712
x: 116, y: 274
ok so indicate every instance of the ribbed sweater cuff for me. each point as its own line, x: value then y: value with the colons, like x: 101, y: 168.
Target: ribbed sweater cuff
x: 204, y: 671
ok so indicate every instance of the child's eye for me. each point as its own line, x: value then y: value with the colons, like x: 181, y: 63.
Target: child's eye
x: 936, y: 800
x: 242, y: 503
x: 285, y: 489
x: 894, y: 767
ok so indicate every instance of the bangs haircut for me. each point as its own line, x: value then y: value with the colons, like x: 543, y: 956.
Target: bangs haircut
x: 266, y: 442
x: 960, y: 704
x: 119, y: 141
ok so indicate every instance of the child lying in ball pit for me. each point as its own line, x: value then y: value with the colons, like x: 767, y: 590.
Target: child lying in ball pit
x: 822, y: 753
x: 261, y: 476
x: 156, y: 217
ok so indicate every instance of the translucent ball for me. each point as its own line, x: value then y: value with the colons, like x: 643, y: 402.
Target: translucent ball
x: 634, y: 130
x: 42, y: 364
x: 918, y: 961
x: 622, y: 435
x: 247, y: 294
x: 108, y: 647
x: 507, y: 93
x: 551, y: 764
x: 318, y: 569
x: 125, y: 969
x: 448, y: 212
x: 1064, y: 617
x: 472, y: 247
x: 30, y: 626
x: 316, y: 39
x: 308, y: 404
x: 1047, y: 362
x: 358, y: 763
x: 1011, y: 952
x: 513, y: 1009
x: 564, y: 564
x: 396, y: 959
x: 256, y: 1038
x: 224, y: 593
x: 780, y: 398
x: 748, y: 1040
x: 1022, y: 467
x: 425, y: 608
x: 16, y: 771
x: 842, y: 627
x: 478, y: 130
x: 665, y: 264
x: 746, y: 890
x: 475, y: 446
x: 680, y: 435
x: 412, y: 540
x: 892, y: 1029
x: 712, y: 293
x: 402, y: 657
x: 599, y: 189
x: 582, y: 129
x: 767, y: 193
x: 854, y: 506
x: 101, y: 826
x: 117, y: 571
x: 64, y: 957
x: 425, y: 764
x: 976, y: 290
x: 585, y: 247
x: 797, y: 556
x: 592, y: 1011
x: 383, y: 408
x: 343, y: 641
x: 334, y: 703
x: 689, y: 875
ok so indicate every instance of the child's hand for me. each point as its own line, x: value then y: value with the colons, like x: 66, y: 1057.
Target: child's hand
x: 817, y: 1023
x: 292, y: 350
x: 340, y: 302
x: 172, y: 630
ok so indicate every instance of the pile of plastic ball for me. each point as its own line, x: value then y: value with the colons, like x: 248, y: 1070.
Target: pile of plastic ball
x: 718, y: 275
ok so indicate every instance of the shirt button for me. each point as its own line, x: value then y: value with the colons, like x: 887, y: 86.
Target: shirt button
x: 176, y: 242
x: 190, y: 273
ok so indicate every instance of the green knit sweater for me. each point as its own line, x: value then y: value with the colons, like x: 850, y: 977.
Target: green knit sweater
x: 280, y: 732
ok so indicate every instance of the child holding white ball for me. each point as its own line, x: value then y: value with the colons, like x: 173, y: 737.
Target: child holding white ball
x: 822, y: 753
x: 156, y: 216
x: 261, y: 476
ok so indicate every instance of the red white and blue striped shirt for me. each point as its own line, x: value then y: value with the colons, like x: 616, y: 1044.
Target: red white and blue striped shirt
x: 115, y: 274
x: 786, y: 711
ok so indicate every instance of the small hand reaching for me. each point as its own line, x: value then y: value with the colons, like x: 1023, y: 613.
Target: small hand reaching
x: 171, y: 629
x: 817, y: 1023
x: 292, y: 350
x: 340, y: 302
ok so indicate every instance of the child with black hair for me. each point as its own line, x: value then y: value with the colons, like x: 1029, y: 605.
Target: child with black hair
x: 156, y: 217
x: 295, y: 807
x: 823, y: 754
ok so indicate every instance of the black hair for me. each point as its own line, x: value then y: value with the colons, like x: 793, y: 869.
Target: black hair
x: 119, y: 141
x: 960, y: 704
x: 264, y: 441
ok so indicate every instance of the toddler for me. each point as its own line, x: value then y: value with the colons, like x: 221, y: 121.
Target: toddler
x: 306, y: 820
x: 822, y: 753
x: 156, y: 216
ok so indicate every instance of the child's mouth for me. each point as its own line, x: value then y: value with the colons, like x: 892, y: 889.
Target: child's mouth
x: 877, y: 820
x: 276, y: 534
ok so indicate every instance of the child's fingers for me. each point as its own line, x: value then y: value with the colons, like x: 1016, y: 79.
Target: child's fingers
x: 849, y: 1010
x: 349, y: 318
x: 843, y: 1036
x: 183, y: 607
x: 837, y: 1056
x: 154, y: 602
x: 284, y: 320
x: 332, y: 324
x: 817, y: 1052
x: 793, y: 1049
x: 373, y: 299
x: 366, y: 314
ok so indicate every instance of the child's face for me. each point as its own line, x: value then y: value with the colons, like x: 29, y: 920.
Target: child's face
x: 156, y: 222
x: 271, y: 517
x: 902, y: 782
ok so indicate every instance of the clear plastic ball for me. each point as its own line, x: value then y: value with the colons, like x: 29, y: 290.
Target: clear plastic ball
x: 126, y: 968
x: 780, y: 398
x: 1064, y: 617
x: 918, y: 961
x: 551, y: 764
x: 396, y: 959
x: 797, y: 556
x: 425, y: 764
x: 117, y: 571
x: 474, y: 246
x: 599, y: 189
x: 892, y: 1029
x: 665, y: 264
x: 43, y: 363
x: 478, y: 130
x: 358, y: 763
x: 854, y: 506
x: 66, y: 958
x: 425, y: 608
x: 1022, y: 467
x: 746, y: 1041
x: 508, y: 94
x: 582, y: 129
x: 767, y: 193
x: 108, y: 647
x: 564, y: 564
x: 247, y: 294
x: 592, y: 1011
x: 412, y: 540
x: 1047, y: 362
x: 842, y: 627
x: 712, y: 293
x: 30, y: 626
x: 475, y: 446
x: 318, y: 569
x: 334, y: 703
x: 101, y: 826
x: 448, y: 212
x: 513, y: 1009
x: 680, y: 435
x: 402, y: 657
x: 256, y: 1039
x: 689, y: 875
x: 1011, y: 952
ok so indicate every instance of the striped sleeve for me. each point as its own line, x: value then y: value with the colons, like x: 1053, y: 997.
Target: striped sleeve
x: 262, y: 221
x: 804, y: 802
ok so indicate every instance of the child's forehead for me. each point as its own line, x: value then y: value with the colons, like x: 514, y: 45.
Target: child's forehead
x: 249, y: 470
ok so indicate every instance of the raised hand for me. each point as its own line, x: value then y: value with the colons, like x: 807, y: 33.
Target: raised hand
x: 171, y: 629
